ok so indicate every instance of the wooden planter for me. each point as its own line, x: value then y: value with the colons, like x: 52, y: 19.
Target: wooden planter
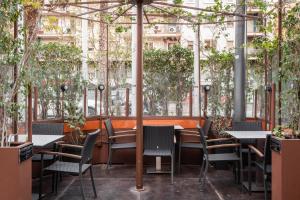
x: 15, y: 172
x: 285, y: 169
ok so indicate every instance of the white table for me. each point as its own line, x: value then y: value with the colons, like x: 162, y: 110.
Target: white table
x: 245, y: 135
x: 249, y: 134
x: 39, y: 140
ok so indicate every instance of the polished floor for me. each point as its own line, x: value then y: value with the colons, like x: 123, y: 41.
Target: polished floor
x: 118, y: 183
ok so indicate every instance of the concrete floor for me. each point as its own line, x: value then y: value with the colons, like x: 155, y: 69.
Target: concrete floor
x: 118, y: 183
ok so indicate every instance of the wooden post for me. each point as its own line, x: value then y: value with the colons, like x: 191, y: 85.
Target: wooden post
x: 191, y: 102
x: 273, y: 106
x: 139, y: 97
x: 29, y: 114
x: 279, y: 58
x: 100, y: 115
x: 15, y: 76
x: 255, y: 104
x: 84, y: 102
x: 35, y: 103
x: 127, y: 103
x: 62, y: 106
x: 96, y: 98
x: 107, y: 72
x: 205, y: 103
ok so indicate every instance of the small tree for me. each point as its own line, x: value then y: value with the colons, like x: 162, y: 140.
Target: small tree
x: 218, y: 67
x: 168, y: 77
x: 55, y: 64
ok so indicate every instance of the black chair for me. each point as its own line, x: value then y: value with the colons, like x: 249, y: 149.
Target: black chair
x: 74, y: 168
x: 245, y: 126
x: 264, y: 164
x: 47, y: 129
x: 159, y: 141
x: 216, y: 157
x: 113, y: 135
x: 192, y: 144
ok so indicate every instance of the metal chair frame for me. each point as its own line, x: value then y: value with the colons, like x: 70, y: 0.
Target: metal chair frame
x: 265, y: 166
x: 74, y: 168
x: 113, y: 135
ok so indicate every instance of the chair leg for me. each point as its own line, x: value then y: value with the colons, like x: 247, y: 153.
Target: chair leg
x: 172, y: 168
x: 201, y: 171
x: 241, y: 175
x: 179, y: 158
x: 249, y: 173
x: 53, y: 182
x: 266, y: 186
x: 203, y: 181
x: 56, y: 182
x: 109, y: 157
x: 81, y: 186
x: 41, y: 184
x: 93, y: 182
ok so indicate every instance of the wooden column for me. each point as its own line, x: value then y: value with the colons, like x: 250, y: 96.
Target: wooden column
x: 191, y: 102
x: 255, y: 104
x: 273, y: 107
x: 96, y: 98
x: 84, y: 102
x: 15, y: 76
x: 127, y: 103
x: 139, y: 97
x: 107, y: 72
x: 279, y: 58
x: 29, y: 114
x: 35, y: 103
x: 205, y: 103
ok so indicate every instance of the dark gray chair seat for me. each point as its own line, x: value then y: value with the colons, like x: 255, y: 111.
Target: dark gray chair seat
x: 123, y: 145
x: 192, y: 145
x: 223, y: 157
x: 69, y: 167
x: 160, y: 152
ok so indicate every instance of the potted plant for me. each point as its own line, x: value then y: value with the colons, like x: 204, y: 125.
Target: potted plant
x: 75, y: 121
x: 218, y: 127
x: 285, y: 146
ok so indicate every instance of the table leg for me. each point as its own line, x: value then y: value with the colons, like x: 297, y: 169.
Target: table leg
x: 158, y: 163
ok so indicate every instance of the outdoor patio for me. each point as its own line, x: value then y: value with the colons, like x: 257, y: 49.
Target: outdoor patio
x: 121, y: 178
x: 149, y: 100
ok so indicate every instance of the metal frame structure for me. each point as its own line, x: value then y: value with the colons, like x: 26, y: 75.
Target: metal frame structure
x: 141, y: 14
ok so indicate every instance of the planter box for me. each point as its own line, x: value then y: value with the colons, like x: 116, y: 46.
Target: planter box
x: 15, y: 172
x: 285, y: 169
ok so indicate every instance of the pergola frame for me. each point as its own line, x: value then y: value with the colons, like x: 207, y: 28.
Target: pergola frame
x: 139, y: 4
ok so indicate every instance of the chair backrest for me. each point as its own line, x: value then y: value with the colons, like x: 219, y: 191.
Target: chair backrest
x: 267, y: 152
x: 203, y: 141
x: 207, y: 126
x: 246, y: 126
x: 109, y: 128
x: 158, y: 137
x: 88, y: 146
x: 47, y: 128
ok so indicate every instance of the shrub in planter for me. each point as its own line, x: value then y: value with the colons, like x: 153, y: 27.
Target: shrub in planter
x: 219, y: 125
